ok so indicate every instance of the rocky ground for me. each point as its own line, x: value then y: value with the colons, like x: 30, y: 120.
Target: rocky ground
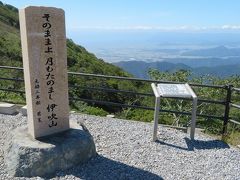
x: 125, y: 151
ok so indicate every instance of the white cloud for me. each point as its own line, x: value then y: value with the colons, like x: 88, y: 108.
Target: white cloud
x: 231, y: 27
x: 159, y: 28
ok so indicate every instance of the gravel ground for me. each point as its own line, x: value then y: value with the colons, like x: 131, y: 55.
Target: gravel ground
x: 125, y: 151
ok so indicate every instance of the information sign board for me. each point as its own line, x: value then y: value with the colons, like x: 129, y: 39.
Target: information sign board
x: 174, y: 90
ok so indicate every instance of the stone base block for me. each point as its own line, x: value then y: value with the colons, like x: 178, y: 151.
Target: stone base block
x: 28, y: 157
x: 7, y: 108
x: 23, y: 110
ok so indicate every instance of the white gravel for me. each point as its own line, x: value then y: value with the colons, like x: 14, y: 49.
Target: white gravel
x: 125, y: 151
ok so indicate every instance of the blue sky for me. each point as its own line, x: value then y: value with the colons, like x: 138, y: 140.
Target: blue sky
x: 89, y: 22
x: 162, y: 15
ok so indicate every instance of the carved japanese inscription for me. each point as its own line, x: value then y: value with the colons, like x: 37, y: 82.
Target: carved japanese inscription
x: 43, y: 41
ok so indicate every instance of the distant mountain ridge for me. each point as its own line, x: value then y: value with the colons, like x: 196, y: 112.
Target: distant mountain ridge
x: 140, y: 68
x: 204, y: 62
x: 219, y: 51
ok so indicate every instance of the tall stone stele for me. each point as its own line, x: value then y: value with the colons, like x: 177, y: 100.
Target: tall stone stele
x: 45, y: 72
x: 43, y: 41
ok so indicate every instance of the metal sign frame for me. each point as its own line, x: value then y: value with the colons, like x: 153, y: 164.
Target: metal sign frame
x: 181, y: 90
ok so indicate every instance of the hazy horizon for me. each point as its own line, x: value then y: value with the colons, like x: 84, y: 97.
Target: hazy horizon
x: 142, y: 16
x: 137, y: 29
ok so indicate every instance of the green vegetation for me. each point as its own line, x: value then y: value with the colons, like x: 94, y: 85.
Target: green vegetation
x: 209, y: 125
x: 80, y: 60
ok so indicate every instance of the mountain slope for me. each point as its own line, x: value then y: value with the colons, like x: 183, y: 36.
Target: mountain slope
x: 79, y: 59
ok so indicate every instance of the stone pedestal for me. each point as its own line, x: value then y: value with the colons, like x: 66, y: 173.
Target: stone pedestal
x: 28, y: 157
x: 6, y: 108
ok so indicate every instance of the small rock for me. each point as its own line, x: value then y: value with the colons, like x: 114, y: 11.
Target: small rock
x: 111, y: 116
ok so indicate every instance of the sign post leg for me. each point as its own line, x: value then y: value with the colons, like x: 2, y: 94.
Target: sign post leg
x: 193, y: 120
x: 156, y: 115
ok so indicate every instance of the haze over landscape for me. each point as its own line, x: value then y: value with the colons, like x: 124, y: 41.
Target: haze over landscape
x: 201, y: 36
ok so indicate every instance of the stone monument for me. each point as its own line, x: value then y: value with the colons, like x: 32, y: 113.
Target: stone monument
x: 50, y: 142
